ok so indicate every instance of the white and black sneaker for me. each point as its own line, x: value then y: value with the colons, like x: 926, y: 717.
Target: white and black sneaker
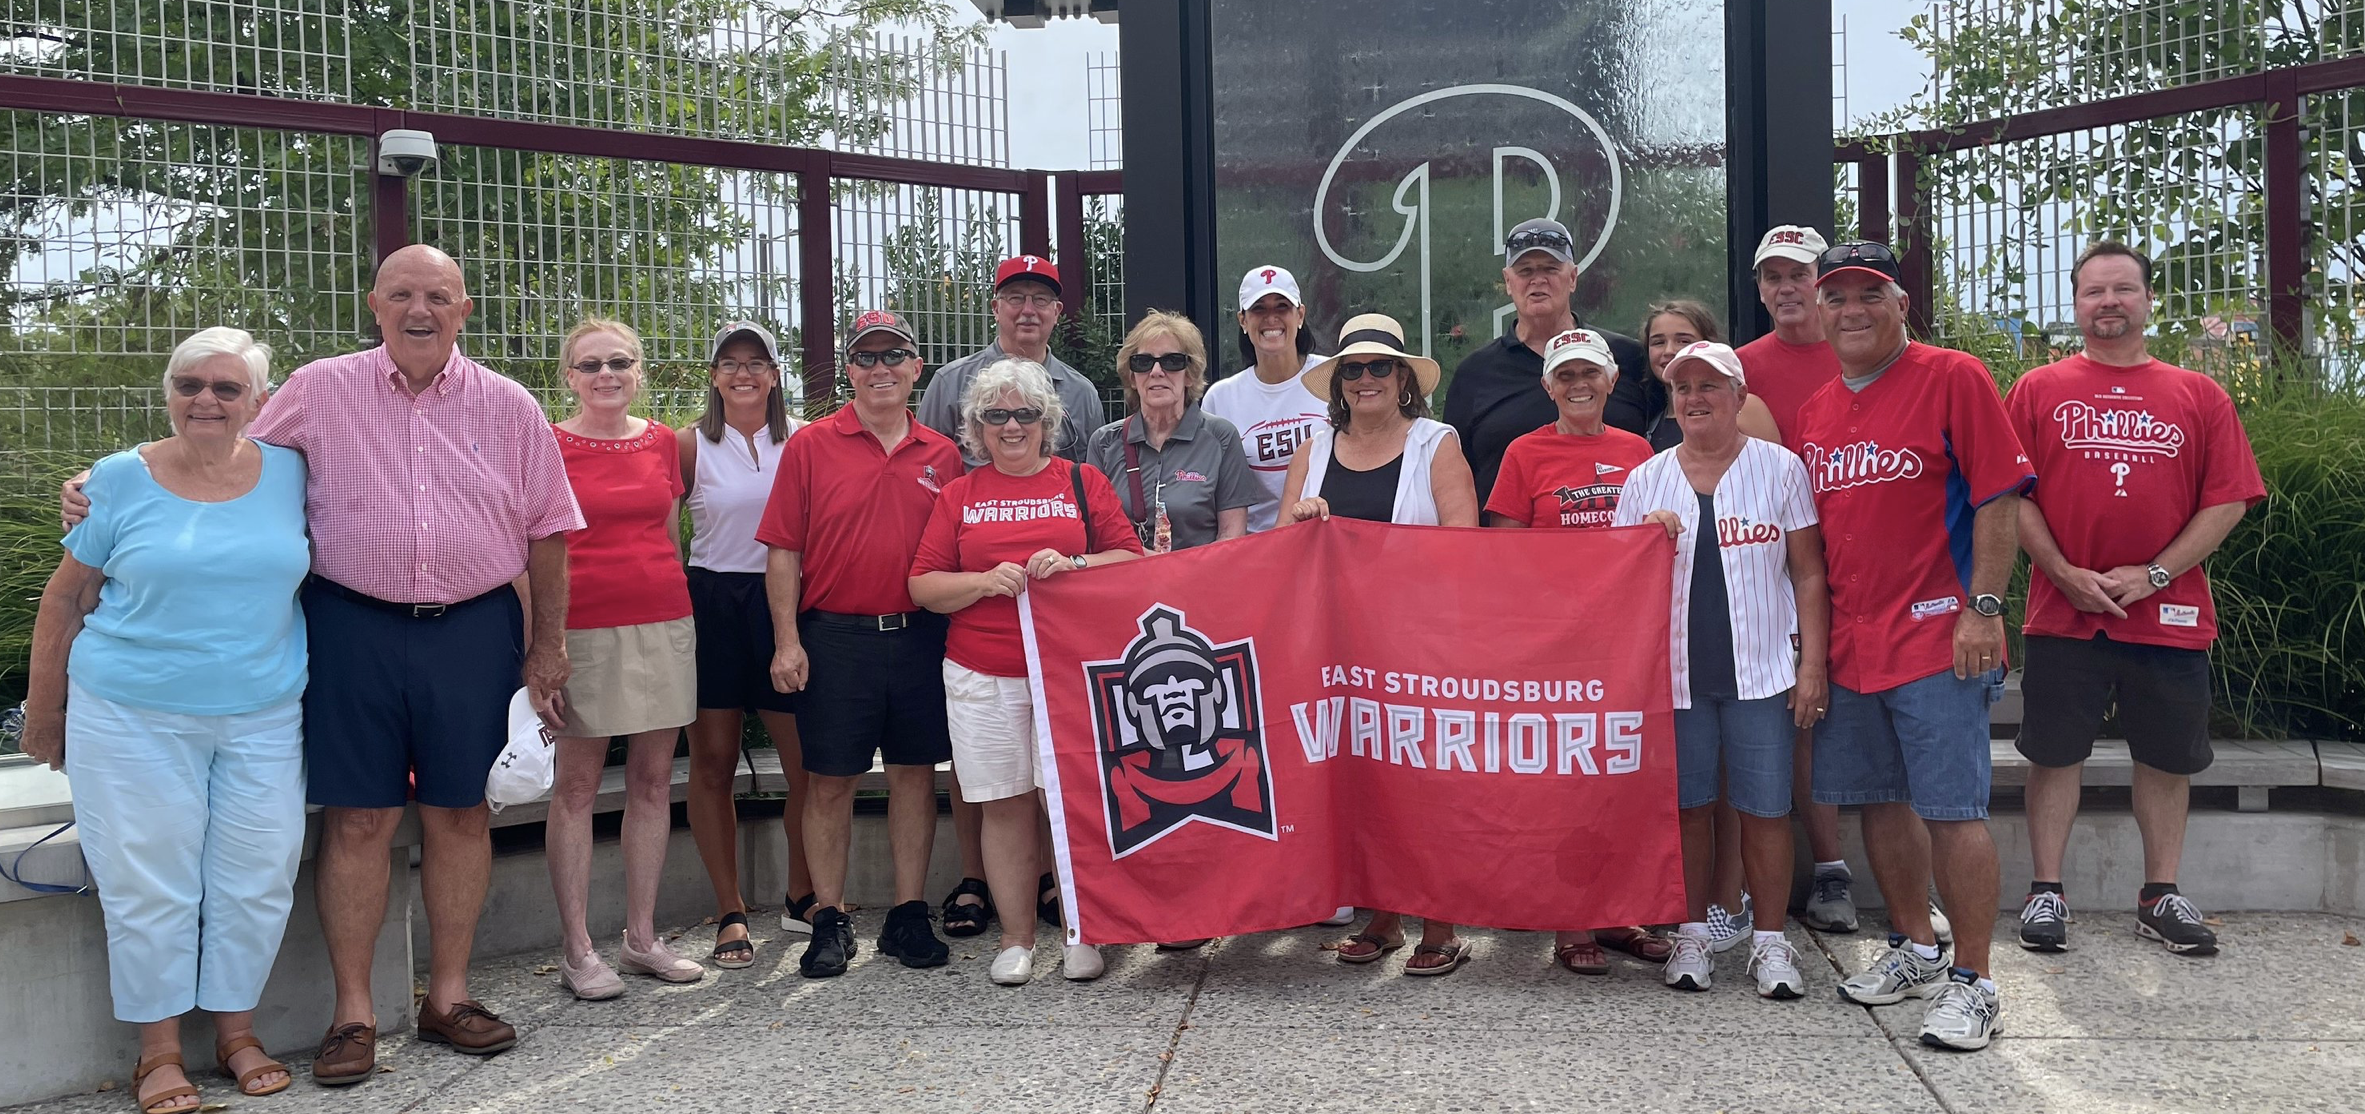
x: 2175, y: 922
x: 1963, y: 1016
x: 1691, y: 965
x: 1775, y: 964
x: 1726, y: 930
x: 2044, y: 922
x: 1900, y: 973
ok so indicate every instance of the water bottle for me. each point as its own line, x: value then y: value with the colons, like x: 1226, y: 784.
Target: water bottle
x: 1162, y: 531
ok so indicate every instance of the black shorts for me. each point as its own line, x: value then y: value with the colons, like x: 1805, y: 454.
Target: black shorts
x: 735, y: 642
x: 2162, y: 695
x: 869, y: 691
x: 400, y: 707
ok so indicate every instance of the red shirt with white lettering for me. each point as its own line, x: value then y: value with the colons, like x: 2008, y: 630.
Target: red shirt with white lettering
x: 1898, y: 470
x: 2129, y: 455
x: 1786, y: 375
x: 854, y: 512
x: 623, y: 567
x: 988, y: 517
x: 1552, y: 479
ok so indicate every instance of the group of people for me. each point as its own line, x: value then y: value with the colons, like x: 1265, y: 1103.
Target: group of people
x: 328, y: 592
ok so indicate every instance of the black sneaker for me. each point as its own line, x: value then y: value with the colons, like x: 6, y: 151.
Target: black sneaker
x: 2172, y: 920
x: 2044, y: 922
x: 832, y: 947
x: 908, y: 938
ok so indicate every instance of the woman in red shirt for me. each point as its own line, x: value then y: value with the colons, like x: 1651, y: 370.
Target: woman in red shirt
x: 1025, y: 516
x: 633, y: 647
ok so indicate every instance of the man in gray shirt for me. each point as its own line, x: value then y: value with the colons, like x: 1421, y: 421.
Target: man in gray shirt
x: 1026, y: 308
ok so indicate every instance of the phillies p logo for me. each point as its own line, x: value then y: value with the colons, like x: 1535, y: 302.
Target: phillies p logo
x: 1180, y: 732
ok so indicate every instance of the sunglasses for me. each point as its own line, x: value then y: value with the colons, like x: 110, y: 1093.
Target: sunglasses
x: 1025, y: 415
x: 892, y: 357
x: 1540, y: 238
x: 1142, y: 362
x: 1861, y: 252
x: 1352, y: 370
x: 619, y: 365
x: 223, y: 389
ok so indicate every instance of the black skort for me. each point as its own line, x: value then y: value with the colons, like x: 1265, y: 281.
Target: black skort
x: 735, y: 642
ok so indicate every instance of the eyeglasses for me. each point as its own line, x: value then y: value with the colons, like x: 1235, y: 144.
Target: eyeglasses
x: 1377, y: 369
x: 751, y: 367
x: 619, y: 365
x: 1538, y: 238
x: 1023, y: 301
x: 892, y: 357
x: 1025, y: 415
x: 1142, y: 362
x: 223, y: 389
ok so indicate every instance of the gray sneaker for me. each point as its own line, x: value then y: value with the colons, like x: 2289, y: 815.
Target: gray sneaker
x: 1691, y: 966
x: 1961, y: 1016
x: 1727, y: 929
x: 1830, y: 908
x: 1900, y: 973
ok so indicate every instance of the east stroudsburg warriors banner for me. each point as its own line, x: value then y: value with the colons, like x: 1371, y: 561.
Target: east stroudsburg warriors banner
x: 1466, y: 724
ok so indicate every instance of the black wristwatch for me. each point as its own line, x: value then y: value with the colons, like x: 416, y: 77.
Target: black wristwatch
x: 2159, y: 576
x: 1990, y: 606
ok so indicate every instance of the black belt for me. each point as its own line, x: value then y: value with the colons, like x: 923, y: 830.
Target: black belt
x: 872, y: 623
x: 407, y: 610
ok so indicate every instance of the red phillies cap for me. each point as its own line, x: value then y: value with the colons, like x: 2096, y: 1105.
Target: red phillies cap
x: 1027, y: 267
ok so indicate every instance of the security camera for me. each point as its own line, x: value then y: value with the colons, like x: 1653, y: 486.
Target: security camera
x: 403, y: 154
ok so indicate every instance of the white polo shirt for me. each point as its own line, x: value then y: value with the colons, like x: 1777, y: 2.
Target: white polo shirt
x: 1759, y: 501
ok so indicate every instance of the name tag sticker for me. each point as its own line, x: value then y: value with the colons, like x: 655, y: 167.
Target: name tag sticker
x: 1931, y: 609
x: 2180, y: 615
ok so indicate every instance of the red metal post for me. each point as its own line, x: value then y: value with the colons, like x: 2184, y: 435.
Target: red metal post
x: 1872, y: 197
x: 816, y: 286
x: 390, y: 209
x: 2286, y: 231
x: 1075, y: 273
x: 1912, y: 244
x: 1034, y: 214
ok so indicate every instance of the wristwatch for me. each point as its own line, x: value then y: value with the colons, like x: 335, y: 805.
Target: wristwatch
x: 1990, y: 606
x: 2159, y: 576
x: 1077, y: 560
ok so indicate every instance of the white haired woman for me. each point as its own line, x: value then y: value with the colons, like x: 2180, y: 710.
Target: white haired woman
x: 972, y: 567
x: 172, y: 623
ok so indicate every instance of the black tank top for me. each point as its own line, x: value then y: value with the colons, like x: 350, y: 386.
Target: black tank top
x: 1711, y: 625
x: 1370, y: 496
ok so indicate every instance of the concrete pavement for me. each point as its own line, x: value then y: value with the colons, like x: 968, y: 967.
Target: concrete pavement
x: 1270, y: 1023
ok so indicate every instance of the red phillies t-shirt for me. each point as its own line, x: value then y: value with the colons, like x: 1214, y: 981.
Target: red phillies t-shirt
x: 1898, y: 469
x: 2129, y: 455
x: 854, y: 512
x: 1786, y: 375
x: 988, y: 517
x: 623, y: 568
x: 1552, y: 479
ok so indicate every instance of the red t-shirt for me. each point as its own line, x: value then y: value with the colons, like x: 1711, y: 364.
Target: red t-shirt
x: 1898, y: 470
x: 623, y: 568
x: 855, y: 511
x: 1552, y: 479
x: 2129, y: 455
x: 988, y: 517
x: 1786, y: 375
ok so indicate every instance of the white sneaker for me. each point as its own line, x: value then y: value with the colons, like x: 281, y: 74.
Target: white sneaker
x: 1014, y: 966
x: 1962, y: 1016
x: 1081, y: 962
x: 1899, y: 973
x: 1940, y: 925
x: 1691, y: 966
x: 1775, y: 963
x: 1345, y: 915
x: 1727, y: 930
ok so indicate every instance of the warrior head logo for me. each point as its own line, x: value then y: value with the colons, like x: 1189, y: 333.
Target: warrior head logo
x: 1180, y: 735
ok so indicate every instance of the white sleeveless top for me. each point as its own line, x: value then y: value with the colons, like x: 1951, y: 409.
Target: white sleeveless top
x: 1416, y: 498
x: 733, y: 481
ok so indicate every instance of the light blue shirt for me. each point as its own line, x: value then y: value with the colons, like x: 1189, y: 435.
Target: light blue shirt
x: 198, y: 614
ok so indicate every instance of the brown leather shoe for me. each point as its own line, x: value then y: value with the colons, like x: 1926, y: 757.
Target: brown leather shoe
x: 348, y: 1054
x: 468, y: 1028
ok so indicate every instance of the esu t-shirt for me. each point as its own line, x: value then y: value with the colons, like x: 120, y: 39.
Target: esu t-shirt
x: 623, y: 568
x: 2128, y: 456
x: 198, y: 614
x: 988, y: 517
x: 1555, y: 479
x: 1274, y: 419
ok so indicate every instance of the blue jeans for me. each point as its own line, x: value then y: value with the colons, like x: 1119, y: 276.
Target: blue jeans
x: 1747, y: 740
x: 1923, y: 742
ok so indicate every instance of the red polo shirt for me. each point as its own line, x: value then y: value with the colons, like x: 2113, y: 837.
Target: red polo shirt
x: 856, y: 511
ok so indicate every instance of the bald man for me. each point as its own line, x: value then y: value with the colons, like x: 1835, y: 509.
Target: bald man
x: 434, y: 484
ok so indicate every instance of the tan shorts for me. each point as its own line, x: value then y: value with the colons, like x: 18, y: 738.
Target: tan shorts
x: 632, y: 679
x: 992, y: 722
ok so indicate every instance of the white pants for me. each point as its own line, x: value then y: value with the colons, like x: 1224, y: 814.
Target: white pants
x: 192, y: 827
x: 992, y: 721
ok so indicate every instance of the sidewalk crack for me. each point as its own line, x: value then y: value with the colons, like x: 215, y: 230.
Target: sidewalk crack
x: 1174, y: 1044
x: 1899, y: 1044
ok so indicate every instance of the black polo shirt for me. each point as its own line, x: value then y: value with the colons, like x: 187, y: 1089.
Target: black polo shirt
x: 1498, y: 394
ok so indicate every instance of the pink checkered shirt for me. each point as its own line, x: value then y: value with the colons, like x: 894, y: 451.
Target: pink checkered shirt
x: 420, y: 499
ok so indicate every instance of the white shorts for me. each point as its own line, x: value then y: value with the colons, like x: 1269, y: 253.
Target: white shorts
x: 992, y: 721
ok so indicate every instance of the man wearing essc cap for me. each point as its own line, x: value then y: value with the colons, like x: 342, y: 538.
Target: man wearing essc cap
x: 1026, y: 309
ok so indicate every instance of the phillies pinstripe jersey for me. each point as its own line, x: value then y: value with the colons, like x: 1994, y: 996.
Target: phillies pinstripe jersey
x: 1760, y: 500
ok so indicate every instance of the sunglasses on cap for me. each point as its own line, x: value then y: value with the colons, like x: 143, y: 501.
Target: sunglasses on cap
x: 1862, y: 253
x: 892, y: 357
x: 1025, y: 415
x: 1142, y: 362
x: 1548, y: 238
x: 1352, y: 370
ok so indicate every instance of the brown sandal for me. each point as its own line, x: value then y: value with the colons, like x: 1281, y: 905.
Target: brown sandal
x: 1379, y: 945
x: 1636, y: 941
x: 1455, y: 952
x: 166, y: 1097
x: 223, y: 1052
x: 1583, y: 959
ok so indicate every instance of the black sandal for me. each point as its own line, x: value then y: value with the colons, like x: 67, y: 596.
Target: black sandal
x: 733, y: 953
x: 1047, y: 908
x: 964, y: 918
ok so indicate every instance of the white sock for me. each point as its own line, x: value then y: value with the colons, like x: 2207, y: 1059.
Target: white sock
x: 1926, y: 951
x: 1761, y: 938
x: 1693, y: 928
x: 1987, y: 985
x: 1838, y: 866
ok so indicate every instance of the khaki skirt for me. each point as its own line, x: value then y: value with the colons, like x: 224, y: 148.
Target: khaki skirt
x: 632, y: 679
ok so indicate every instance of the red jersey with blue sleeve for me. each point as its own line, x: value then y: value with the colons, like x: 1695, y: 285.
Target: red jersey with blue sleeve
x: 1898, y: 470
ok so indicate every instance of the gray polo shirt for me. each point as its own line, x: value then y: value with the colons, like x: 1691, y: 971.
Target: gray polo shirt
x: 940, y: 404
x: 1202, y: 468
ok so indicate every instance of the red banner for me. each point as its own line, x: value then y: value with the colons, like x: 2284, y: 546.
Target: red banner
x: 1465, y: 724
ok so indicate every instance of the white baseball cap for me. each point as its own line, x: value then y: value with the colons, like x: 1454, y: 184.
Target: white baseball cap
x: 1789, y: 241
x: 1260, y: 281
x: 1715, y: 355
x: 1580, y: 344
